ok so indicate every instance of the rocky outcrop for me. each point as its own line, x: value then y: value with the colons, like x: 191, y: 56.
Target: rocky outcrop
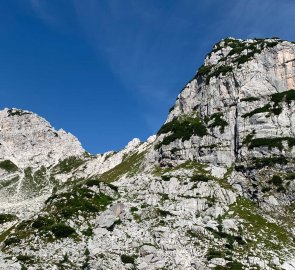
x: 242, y: 94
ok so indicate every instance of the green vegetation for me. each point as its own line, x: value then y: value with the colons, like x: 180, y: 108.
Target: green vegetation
x: 8, y: 166
x: 129, y: 166
x: 250, y: 99
x: 200, y: 178
x: 276, y: 180
x: 249, y: 138
x: 6, y: 218
x: 11, y: 240
x: 286, y: 96
x: 269, y: 161
x: 234, y: 265
x: 272, y: 142
x: 62, y: 230
x: 230, y: 239
x: 42, y: 222
x: 182, y: 128
x: 218, y: 122
x: 165, y: 177
x: 213, y: 253
x: 69, y: 164
x: 221, y: 70
x: 12, y: 112
x: 266, y: 233
x: 290, y: 176
x: 34, y: 182
x: 127, y: 259
x: 79, y: 200
x: 264, y: 109
x: 204, y: 70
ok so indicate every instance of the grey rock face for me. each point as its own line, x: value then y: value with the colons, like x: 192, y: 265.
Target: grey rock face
x: 226, y: 101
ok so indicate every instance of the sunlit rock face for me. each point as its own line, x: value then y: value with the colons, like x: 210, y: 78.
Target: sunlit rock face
x: 236, y: 94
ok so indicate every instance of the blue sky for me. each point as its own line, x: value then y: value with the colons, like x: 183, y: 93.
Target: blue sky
x: 109, y: 70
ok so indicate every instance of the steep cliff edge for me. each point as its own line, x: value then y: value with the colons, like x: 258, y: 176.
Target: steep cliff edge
x: 244, y: 92
x: 214, y: 189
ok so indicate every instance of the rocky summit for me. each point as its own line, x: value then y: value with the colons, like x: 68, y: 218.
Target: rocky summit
x: 213, y: 189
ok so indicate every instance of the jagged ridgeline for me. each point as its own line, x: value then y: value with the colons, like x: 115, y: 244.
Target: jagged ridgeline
x: 213, y: 189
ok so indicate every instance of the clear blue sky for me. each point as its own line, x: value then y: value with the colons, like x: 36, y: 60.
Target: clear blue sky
x: 109, y: 70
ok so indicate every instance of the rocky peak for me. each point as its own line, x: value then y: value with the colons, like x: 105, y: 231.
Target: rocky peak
x: 28, y: 140
x: 244, y: 92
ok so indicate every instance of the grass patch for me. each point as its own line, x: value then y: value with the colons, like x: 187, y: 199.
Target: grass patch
x: 69, y: 164
x: 269, y: 234
x: 130, y: 166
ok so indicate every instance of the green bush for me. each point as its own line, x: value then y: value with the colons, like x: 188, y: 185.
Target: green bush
x: 200, y: 178
x: 82, y: 199
x: 8, y: 165
x: 133, y: 209
x: 220, y: 70
x: 11, y: 240
x: 127, y: 259
x: 182, y: 129
x: 286, y: 96
x: 272, y: 142
x: 12, y: 112
x: 218, y: 122
x: 250, y: 99
x: 42, y: 222
x: 212, y: 253
x: 6, y: 218
x: 290, y: 176
x: 269, y: 142
x: 204, y: 70
x: 276, y: 180
x: 166, y: 177
x: 264, y: 109
x: 62, y: 230
x: 269, y: 161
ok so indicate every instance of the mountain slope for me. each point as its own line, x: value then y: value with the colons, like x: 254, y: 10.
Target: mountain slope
x: 214, y: 189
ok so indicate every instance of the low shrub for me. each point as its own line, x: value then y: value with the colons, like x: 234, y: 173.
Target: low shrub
x: 8, y: 166
x: 6, y: 218
x: 200, y: 178
x: 42, y: 222
x: 276, y: 180
x: 182, y: 129
x: 62, y: 230
x: 250, y: 99
x: 127, y: 259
